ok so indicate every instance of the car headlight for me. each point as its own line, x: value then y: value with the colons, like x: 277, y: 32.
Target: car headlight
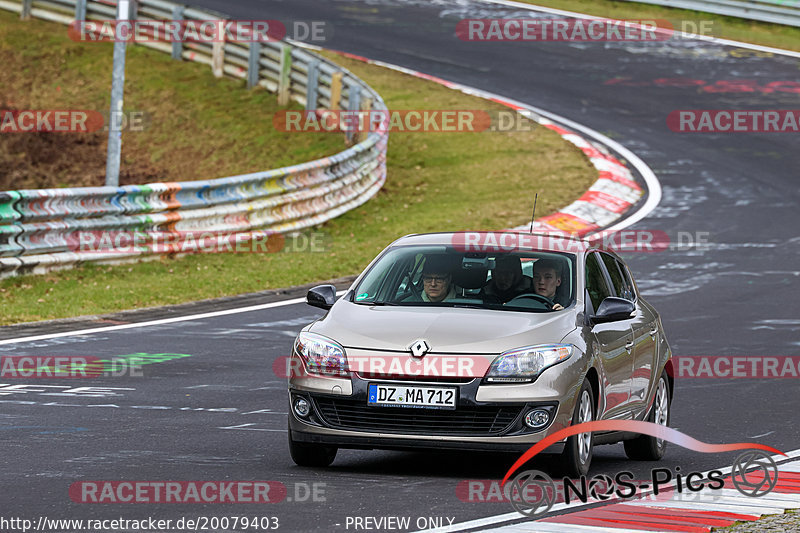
x: 321, y: 355
x: 522, y: 365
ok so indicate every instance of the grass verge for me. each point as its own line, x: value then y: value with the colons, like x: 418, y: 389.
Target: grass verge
x: 436, y: 182
x: 196, y: 126
x: 724, y: 27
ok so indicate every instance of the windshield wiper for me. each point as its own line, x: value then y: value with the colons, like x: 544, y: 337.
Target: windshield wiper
x: 467, y: 306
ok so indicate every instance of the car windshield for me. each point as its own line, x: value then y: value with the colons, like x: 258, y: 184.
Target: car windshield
x: 443, y: 276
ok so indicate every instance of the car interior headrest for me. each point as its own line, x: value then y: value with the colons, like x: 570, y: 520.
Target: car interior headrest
x: 470, y: 278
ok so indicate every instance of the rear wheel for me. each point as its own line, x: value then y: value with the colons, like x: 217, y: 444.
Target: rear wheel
x: 645, y: 447
x: 305, y: 454
x: 577, y: 454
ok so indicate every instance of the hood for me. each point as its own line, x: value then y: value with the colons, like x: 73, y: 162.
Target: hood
x: 445, y: 329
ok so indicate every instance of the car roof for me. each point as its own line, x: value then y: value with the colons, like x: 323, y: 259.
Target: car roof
x: 489, y: 241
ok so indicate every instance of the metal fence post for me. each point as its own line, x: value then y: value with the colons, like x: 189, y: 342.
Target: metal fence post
x: 353, y: 105
x: 25, y: 12
x: 284, y: 77
x: 336, y: 89
x: 253, y: 66
x: 80, y: 10
x: 115, y: 113
x: 177, y: 45
x: 218, y: 52
x: 312, y: 84
x: 366, y: 109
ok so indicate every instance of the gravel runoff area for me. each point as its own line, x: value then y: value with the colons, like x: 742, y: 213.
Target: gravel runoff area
x: 788, y: 522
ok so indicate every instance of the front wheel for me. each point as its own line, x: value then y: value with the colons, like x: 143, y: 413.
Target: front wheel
x: 577, y: 454
x: 645, y: 447
x: 305, y: 454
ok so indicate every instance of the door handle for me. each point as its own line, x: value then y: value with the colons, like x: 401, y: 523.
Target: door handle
x: 654, y: 332
x: 629, y: 346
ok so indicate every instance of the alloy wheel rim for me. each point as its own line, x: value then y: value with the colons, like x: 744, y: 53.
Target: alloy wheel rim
x: 584, y: 439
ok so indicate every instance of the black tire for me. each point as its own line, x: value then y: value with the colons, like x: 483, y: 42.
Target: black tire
x: 304, y: 454
x: 645, y: 447
x: 575, y: 459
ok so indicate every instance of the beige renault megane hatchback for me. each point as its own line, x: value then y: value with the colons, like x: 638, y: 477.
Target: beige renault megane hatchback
x: 481, y: 341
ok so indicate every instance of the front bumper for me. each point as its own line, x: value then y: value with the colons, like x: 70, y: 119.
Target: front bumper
x: 301, y: 432
x: 486, y: 418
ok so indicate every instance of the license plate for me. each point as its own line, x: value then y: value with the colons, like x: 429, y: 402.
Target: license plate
x: 411, y: 396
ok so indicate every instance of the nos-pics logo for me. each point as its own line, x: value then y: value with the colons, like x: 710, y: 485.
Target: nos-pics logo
x: 533, y: 492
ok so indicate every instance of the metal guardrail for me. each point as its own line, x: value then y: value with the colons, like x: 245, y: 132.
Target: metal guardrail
x: 786, y: 12
x: 42, y: 229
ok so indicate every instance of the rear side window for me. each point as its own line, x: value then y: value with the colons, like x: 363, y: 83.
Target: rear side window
x: 596, y: 284
x: 619, y: 278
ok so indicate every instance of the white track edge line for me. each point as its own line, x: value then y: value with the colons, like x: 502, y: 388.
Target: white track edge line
x: 158, y: 322
x: 715, y: 40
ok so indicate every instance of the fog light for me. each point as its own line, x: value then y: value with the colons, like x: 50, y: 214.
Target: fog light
x: 301, y: 407
x: 538, y: 418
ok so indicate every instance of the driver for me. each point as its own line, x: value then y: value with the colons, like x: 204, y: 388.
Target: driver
x: 546, y: 279
x: 507, y: 280
x: 437, y: 280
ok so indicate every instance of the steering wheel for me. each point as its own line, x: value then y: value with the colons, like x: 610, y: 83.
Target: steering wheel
x: 533, y: 296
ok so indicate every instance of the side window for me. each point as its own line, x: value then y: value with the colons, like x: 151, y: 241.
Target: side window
x: 613, y: 272
x: 595, y: 281
x: 629, y: 293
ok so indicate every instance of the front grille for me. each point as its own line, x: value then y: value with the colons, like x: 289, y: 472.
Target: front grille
x: 467, y: 421
x: 368, y: 376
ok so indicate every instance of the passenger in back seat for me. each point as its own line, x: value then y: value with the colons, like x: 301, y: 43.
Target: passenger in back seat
x: 507, y: 281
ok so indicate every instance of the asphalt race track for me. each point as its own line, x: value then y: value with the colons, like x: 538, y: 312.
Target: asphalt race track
x: 215, y: 410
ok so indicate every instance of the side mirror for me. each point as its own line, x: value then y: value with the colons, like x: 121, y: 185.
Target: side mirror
x: 612, y: 309
x: 322, y: 296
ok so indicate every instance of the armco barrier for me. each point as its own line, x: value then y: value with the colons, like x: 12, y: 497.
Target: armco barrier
x: 786, y: 12
x: 42, y: 229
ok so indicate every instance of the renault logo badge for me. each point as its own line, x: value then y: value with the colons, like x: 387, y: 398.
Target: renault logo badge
x: 419, y: 348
